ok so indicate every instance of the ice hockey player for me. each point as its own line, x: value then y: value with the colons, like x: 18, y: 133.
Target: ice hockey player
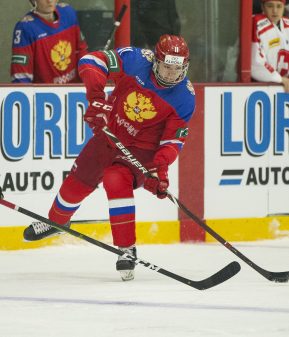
x: 148, y: 110
x: 270, y: 44
x: 47, y: 45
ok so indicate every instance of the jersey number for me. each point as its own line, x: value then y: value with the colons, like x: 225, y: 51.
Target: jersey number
x: 17, y: 36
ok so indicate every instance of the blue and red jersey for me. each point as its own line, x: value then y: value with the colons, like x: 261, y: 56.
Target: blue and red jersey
x: 145, y: 115
x: 47, y: 52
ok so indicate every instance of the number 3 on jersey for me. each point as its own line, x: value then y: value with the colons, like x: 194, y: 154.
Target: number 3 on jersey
x: 17, y: 36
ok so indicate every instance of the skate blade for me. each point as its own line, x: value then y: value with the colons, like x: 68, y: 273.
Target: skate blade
x: 127, y: 275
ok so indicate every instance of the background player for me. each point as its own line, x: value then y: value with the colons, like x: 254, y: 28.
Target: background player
x: 270, y: 44
x: 47, y: 45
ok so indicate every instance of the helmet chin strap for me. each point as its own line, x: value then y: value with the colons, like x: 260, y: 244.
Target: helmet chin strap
x: 162, y: 83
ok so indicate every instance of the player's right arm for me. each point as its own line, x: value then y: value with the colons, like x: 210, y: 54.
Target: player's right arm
x: 96, y: 67
x: 94, y: 70
x: 22, y: 53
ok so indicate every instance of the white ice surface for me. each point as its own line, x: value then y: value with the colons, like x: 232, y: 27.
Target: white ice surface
x: 74, y: 291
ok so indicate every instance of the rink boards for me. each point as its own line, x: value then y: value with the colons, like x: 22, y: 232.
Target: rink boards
x: 233, y: 171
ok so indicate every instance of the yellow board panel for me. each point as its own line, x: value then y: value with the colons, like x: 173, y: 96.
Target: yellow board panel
x: 159, y: 232
x: 249, y: 229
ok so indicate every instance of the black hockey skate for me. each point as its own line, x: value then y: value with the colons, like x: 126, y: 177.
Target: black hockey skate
x: 39, y: 230
x: 124, y: 265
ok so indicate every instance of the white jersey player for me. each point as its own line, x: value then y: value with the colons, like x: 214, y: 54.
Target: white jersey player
x: 270, y: 44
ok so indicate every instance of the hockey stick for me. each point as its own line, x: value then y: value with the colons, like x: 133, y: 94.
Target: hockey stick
x: 115, y: 26
x: 269, y: 275
x: 221, y: 276
x: 277, y: 214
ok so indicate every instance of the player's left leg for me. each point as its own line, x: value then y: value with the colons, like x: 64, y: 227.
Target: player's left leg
x: 86, y: 174
x: 65, y: 204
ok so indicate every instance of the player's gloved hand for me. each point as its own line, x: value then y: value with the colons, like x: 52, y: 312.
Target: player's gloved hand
x: 98, y: 112
x: 158, y: 183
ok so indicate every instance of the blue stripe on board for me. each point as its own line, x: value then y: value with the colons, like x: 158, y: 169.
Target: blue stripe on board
x: 230, y: 182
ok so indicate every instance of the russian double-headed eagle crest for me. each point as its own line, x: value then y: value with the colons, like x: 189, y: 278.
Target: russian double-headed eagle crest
x: 60, y: 55
x: 139, y: 107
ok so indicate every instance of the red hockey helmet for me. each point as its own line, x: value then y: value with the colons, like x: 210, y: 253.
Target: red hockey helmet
x: 171, y: 60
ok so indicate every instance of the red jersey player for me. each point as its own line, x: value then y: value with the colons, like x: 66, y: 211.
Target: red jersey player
x: 270, y: 44
x: 47, y: 45
x: 148, y: 110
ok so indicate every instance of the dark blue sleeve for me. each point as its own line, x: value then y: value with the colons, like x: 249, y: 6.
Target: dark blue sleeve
x: 23, y: 35
x: 134, y: 59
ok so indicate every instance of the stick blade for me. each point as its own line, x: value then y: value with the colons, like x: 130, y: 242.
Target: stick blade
x: 219, y: 277
x: 278, y: 277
